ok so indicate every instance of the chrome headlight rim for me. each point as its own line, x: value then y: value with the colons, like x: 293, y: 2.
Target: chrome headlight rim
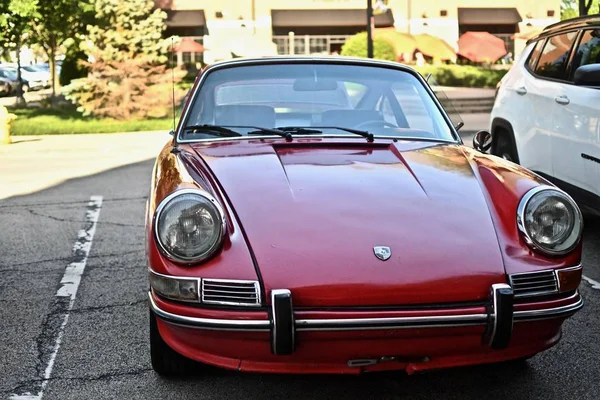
x: 206, y: 255
x: 522, y: 209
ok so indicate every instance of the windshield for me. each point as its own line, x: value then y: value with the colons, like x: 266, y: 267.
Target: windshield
x: 11, y: 74
x: 383, y: 101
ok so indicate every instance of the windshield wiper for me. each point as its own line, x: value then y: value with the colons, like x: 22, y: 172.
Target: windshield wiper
x: 218, y: 129
x: 368, y: 135
x: 258, y: 130
x: 298, y: 129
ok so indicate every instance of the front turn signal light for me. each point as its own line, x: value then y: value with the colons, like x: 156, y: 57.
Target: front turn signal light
x: 569, y: 278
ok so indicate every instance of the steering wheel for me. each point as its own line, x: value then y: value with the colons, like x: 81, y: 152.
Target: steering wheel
x: 377, y: 123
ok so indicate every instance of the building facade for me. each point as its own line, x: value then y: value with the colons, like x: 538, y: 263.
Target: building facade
x: 322, y: 26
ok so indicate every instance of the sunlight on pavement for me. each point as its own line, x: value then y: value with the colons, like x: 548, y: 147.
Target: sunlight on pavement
x: 33, y: 163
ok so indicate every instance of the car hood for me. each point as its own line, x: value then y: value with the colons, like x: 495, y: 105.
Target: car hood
x: 313, y: 212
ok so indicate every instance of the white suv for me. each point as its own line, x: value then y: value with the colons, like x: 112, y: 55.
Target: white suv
x: 546, y: 116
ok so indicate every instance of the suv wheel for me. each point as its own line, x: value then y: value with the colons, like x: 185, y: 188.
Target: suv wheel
x: 165, y: 360
x: 505, y: 147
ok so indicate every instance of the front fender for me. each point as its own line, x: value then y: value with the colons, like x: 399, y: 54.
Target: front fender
x: 504, y: 184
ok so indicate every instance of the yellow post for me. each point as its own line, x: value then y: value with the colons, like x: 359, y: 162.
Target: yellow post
x: 6, y: 119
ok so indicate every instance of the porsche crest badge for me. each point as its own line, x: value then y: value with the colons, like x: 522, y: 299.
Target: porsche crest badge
x: 382, y: 252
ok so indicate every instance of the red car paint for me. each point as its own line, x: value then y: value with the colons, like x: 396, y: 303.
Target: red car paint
x: 305, y: 215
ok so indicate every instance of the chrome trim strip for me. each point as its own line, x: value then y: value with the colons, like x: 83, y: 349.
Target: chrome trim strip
x: 161, y: 207
x: 210, y: 323
x: 346, y: 324
x: 232, y: 303
x: 522, y: 207
x: 354, y: 324
x: 548, y: 313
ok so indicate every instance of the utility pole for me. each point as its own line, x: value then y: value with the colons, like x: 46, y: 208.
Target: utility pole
x: 253, y: 17
x: 369, y: 28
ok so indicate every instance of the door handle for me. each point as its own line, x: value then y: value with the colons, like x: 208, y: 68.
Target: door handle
x: 521, y: 90
x: 564, y: 100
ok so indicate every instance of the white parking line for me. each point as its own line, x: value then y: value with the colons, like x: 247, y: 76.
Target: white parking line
x: 595, y: 284
x: 69, y: 285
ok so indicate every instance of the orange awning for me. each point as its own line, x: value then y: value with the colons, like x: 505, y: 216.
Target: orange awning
x: 481, y: 46
x: 188, y: 45
x: 435, y: 47
x: 403, y: 42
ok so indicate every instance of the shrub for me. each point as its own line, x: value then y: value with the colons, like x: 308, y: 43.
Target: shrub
x: 462, y: 75
x: 356, y: 46
x: 129, y: 89
x: 71, y: 68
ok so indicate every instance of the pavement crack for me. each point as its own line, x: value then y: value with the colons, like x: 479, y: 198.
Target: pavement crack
x: 61, y: 203
x: 52, y: 217
x: 108, y: 306
x: 66, y: 259
x: 102, y: 377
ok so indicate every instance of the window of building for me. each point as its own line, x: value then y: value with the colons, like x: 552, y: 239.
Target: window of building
x: 318, y: 45
x: 282, y: 45
x: 554, y: 57
x: 535, y: 54
x: 588, y: 51
x: 299, y: 46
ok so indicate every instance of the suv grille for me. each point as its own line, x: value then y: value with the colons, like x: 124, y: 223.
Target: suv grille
x: 534, y: 284
x: 230, y: 292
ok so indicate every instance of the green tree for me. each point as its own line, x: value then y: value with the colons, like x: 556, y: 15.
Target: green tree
x: 126, y: 29
x: 15, y: 24
x: 127, y: 77
x: 356, y: 46
x: 574, y: 8
x: 57, y: 22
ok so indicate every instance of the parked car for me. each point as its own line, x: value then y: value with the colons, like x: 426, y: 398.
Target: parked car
x: 35, y: 81
x: 316, y: 215
x: 38, y: 74
x: 5, y: 87
x: 11, y: 76
x: 546, y: 115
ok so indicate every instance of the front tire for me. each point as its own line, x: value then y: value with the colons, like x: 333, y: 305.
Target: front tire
x: 166, y: 361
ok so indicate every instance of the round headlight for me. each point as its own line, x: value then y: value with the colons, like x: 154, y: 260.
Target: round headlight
x: 550, y: 220
x: 189, y: 225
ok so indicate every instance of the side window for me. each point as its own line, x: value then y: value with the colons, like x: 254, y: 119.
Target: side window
x: 385, y: 108
x: 555, y: 56
x: 413, y: 106
x: 535, y: 55
x: 588, y: 51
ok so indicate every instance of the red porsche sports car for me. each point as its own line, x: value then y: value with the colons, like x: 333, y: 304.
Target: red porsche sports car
x: 322, y: 215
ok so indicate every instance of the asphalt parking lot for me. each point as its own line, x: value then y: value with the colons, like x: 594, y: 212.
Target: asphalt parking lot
x: 87, y: 231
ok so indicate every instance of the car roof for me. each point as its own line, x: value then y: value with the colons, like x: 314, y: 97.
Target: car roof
x: 302, y: 59
x: 586, y: 21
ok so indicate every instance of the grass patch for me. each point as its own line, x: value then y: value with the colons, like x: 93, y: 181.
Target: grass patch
x: 49, y: 121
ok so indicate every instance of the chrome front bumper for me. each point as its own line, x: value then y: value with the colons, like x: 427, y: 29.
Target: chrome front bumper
x: 282, y: 324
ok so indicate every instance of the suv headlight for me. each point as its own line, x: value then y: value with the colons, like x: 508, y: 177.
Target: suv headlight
x: 550, y: 220
x: 189, y: 226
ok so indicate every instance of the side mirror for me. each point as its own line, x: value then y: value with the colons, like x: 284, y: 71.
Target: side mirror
x: 482, y: 141
x: 587, y: 75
